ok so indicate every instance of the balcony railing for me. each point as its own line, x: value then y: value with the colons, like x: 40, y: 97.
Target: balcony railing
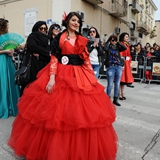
x: 118, y: 10
x: 153, y: 34
x: 8, y: 1
x: 148, y: 30
x: 134, y: 34
x: 141, y: 26
x: 136, y: 8
x: 94, y: 1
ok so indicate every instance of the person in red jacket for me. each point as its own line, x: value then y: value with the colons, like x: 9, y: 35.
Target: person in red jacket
x: 126, y: 77
x: 149, y: 63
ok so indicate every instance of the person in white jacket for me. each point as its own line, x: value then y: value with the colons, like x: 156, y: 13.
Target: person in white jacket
x: 95, y: 49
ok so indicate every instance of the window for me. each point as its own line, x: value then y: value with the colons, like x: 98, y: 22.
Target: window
x: 140, y: 35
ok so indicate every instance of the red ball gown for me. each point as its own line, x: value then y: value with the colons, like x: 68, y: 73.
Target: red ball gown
x: 72, y: 123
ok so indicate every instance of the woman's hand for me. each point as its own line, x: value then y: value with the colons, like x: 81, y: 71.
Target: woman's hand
x: 9, y: 52
x: 22, y: 45
x: 50, y: 84
x: 95, y: 44
x: 36, y: 55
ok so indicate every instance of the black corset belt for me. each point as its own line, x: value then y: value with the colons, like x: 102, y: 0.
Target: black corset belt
x: 71, y: 59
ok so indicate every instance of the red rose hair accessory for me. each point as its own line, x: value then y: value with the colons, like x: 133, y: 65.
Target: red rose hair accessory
x: 64, y: 16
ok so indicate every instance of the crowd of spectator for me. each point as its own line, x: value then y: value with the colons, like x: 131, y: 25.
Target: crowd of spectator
x: 148, y: 54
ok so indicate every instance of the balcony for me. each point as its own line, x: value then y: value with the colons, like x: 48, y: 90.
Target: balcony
x: 94, y: 1
x: 148, y: 30
x: 136, y: 8
x: 8, y: 1
x: 153, y: 34
x: 118, y: 10
x: 141, y: 26
x: 134, y: 34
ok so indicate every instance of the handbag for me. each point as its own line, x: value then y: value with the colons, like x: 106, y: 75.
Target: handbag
x: 122, y: 61
x: 22, y: 76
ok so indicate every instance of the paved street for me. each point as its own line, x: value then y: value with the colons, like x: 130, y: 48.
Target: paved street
x: 137, y: 125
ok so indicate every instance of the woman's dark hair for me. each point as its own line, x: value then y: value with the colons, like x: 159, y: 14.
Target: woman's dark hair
x: 65, y: 22
x: 112, y: 37
x: 141, y: 48
x: 121, y: 37
x: 154, y: 44
x: 97, y: 34
x: 139, y: 44
x: 131, y: 46
x: 148, y: 44
x: 51, y: 29
x: 3, y: 26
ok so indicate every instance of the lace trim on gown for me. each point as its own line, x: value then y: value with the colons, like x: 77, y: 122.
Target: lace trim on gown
x: 53, y: 65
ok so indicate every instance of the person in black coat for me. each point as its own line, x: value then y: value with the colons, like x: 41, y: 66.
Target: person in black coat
x: 114, y: 64
x: 38, y: 47
x: 139, y: 55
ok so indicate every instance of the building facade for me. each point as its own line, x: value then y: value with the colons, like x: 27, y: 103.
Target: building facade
x: 156, y: 32
x: 142, y: 21
x: 109, y: 16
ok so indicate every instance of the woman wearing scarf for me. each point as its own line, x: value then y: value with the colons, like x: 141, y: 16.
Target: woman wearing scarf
x: 38, y: 46
x: 114, y: 65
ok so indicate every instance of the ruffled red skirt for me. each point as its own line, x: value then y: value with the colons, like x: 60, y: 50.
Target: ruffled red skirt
x: 127, y: 76
x: 69, y: 124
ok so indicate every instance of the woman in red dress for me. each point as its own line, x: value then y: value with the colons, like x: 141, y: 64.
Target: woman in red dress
x: 65, y: 114
x: 127, y: 77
